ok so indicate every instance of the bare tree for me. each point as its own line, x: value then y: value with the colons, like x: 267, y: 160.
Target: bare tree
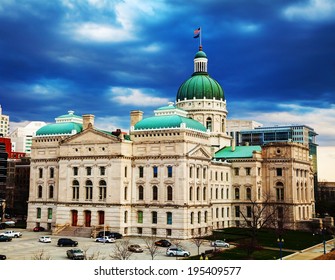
x: 197, y: 240
x: 41, y: 255
x: 120, y: 250
x: 94, y: 256
x: 150, y: 245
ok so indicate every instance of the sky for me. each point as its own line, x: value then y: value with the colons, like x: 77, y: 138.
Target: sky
x: 275, y: 60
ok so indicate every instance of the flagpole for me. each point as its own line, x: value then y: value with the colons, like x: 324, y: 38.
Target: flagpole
x: 200, y: 46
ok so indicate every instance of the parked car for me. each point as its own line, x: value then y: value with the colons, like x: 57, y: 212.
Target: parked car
x: 45, y: 239
x: 110, y: 234
x: 2, y: 226
x: 105, y: 239
x: 5, y: 238
x: 135, y: 248
x: 177, y: 251
x: 220, y: 243
x: 67, y: 242
x: 163, y: 243
x: 37, y: 229
x: 3, y: 257
x: 75, y: 254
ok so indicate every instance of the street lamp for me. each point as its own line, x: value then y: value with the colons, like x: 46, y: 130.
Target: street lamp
x: 280, y: 243
x: 323, y: 231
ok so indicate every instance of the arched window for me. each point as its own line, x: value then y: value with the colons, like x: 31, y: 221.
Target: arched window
x: 198, y: 193
x: 102, y: 190
x: 209, y: 124
x: 140, y: 192
x: 191, y: 193
x: 192, y: 217
x: 89, y: 190
x: 248, y: 193
x: 204, y: 190
x: 39, y: 191
x: 169, y: 193
x: 75, y: 190
x: 237, y: 193
x: 125, y: 217
x: 205, y: 217
x: 199, y: 217
x: 154, y: 193
x: 280, y: 191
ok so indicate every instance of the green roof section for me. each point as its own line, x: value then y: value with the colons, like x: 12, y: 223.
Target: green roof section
x: 200, y: 86
x: 66, y: 128
x: 200, y: 54
x: 169, y: 121
x: 239, y: 152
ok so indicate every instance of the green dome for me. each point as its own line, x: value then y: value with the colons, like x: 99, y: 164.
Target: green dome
x: 170, y: 121
x: 200, y: 54
x: 200, y: 86
x: 67, y: 128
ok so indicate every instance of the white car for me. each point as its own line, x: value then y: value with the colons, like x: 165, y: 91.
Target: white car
x: 175, y: 251
x: 105, y: 239
x: 220, y: 243
x: 45, y: 239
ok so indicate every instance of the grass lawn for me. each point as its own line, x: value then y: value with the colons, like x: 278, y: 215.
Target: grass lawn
x: 294, y: 240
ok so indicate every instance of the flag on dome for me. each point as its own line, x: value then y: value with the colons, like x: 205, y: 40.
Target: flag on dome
x: 196, y: 33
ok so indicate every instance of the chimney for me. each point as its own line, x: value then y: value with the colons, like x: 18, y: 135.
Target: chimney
x: 233, y: 144
x: 88, y: 121
x: 135, y: 117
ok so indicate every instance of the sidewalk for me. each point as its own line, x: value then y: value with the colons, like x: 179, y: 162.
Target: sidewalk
x: 312, y: 252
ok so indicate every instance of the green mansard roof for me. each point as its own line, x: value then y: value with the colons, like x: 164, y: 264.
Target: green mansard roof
x: 239, y: 152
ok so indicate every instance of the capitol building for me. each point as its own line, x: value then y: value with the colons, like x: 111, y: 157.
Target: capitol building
x: 176, y: 174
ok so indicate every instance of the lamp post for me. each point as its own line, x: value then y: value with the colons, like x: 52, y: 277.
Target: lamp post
x: 280, y: 243
x: 323, y: 231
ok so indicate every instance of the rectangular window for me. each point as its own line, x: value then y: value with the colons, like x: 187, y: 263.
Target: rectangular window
x: 40, y: 173
x: 249, y: 211
x: 279, y: 171
x: 52, y: 172
x: 169, y: 170
x: 140, y: 217
x: 125, y: 172
x: 168, y: 232
x: 75, y: 171
x: 204, y: 173
x: 140, y: 171
x: 169, y: 218
x: 102, y: 170
x: 155, y: 171
x: 198, y: 172
x: 236, y: 171
x: 88, y: 171
x: 49, y: 213
x: 248, y: 171
x: 154, y: 217
x: 39, y: 211
x: 237, y: 211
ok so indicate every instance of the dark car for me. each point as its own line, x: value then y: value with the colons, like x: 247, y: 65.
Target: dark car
x: 3, y: 257
x: 67, y: 242
x: 37, y: 229
x: 2, y: 225
x: 163, y: 243
x: 4, y: 238
x: 110, y: 234
x: 75, y: 254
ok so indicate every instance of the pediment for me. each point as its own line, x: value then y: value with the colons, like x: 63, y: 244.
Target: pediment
x: 91, y: 136
x: 199, y: 152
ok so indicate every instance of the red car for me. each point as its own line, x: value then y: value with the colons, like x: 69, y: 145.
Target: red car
x: 36, y: 229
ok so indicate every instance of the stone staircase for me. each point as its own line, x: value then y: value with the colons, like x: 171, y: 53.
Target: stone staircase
x: 75, y: 231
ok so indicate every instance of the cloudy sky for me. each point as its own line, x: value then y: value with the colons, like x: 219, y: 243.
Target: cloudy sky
x: 274, y: 59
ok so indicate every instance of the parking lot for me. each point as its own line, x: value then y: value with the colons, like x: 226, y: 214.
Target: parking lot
x: 28, y: 247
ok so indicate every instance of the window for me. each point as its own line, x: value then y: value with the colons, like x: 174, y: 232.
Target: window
x: 125, y: 193
x: 154, y: 193
x: 169, y: 193
x: 237, y: 193
x: 49, y: 213
x: 125, y: 171
x: 279, y: 191
x: 169, y: 170
x: 102, y: 170
x: 192, y: 217
x: 280, y: 212
x: 209, y: 124
x: 40, y: 173
x: 205, y: 217
x: 198, y: 172
x: 51, y: 191
x: 237, y: 211
x: 52, y: 172
x: 169, y: 218
x: 279, y: 171
x: 154, y: 217
x: 191, y: 171
x: 75, y: 171
x: 204, y: 193
x: 155, y: 171
x: 102, y: 190
x: 125, y: 218
x: 39, y: 191
x: 199, y: 217
x: 227, y: 176
x: 140, y: 192
x: 191, y: 193
x: 140, y: 217
x: 236, y: 171
x: 38, y: 214
x: 89, y: 190
x: 204, y: 173
x: 198, y: 193
x: 75, y: 190
x: 259, y: 171
x: 248, y: 171
x: 168, y: 232
x: 88, y: 171
x: 248, y: 193
x: 249, y: 211
x: 140, y: 171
